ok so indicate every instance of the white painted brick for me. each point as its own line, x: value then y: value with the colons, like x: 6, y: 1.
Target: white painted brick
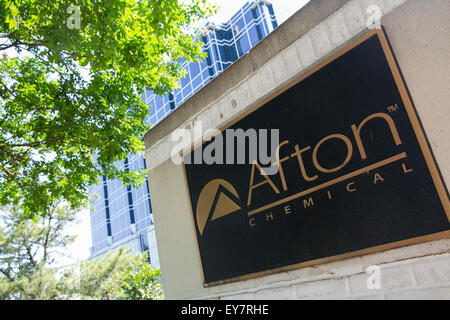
x: 441, y: 293
x: 266, y: 281
x: 276, y: 278
x: 367, y: 3
x: 396, y: 282
x: 310, y: 273
x: 324, y: 289
x: 305, y: 50
x: 285, y: 65
x: 370, y: 10
x: 358, y: 285
x: 341, y: 268
x: 196, y: 134
x: 320, y: 39
x: 187, y: 125
x: 205, y: 118
x: 392, y: 4
x: 261, y: 82
x: 284, y: 293
x: 354, y: 17
x: 391, y: 279
x: 213, y: 114
x: 167, y: 145
x: 371, y: 297
x: 433, y: 272
x: 224, y: 111
x: 279, y: 69
x: 241, y: 296
x: 233, y: 102
x: 337, y: 29
x: 404, y: 253
x: 243, y: 96
x: 396, y: 278
x: 347, y: 269
x: 292, y: 60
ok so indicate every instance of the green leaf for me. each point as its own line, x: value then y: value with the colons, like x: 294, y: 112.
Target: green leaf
x: 72, y: 95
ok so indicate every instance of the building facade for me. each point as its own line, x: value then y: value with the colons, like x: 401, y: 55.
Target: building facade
x: 121, y: 216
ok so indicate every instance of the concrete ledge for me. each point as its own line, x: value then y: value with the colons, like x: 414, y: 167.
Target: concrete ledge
x: 402, y: 269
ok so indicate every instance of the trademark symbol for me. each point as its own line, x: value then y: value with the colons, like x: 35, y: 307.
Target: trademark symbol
x: 392, y: 108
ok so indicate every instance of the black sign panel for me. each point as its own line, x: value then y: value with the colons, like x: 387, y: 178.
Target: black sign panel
x: 355, y: 173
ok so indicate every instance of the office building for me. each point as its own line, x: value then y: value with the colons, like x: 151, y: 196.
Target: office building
x: 121, y: 216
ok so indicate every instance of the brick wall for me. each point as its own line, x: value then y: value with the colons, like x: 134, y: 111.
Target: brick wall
x: 403, y: 275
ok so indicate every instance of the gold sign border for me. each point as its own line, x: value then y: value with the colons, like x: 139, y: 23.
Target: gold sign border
x: 420, y: 135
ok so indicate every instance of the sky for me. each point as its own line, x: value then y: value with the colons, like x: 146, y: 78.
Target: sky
x: 283, y: 8
x: 79, y: 250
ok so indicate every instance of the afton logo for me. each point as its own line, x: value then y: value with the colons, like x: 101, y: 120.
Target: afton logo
x: 217, y: 199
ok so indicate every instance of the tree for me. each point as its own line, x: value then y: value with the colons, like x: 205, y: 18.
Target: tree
x: 139, y: 281
x: 71, y: 80
x: 26, y: 245
x: 93, y: 275
x: 30, y: 247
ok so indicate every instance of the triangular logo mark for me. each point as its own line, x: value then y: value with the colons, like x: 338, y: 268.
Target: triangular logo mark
x: 225, y: 205
x: 217, y: 199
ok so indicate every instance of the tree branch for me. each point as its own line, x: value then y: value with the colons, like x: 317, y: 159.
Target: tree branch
x: 6, y: 274
x: 47, y: 233
x: 30, y: 255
